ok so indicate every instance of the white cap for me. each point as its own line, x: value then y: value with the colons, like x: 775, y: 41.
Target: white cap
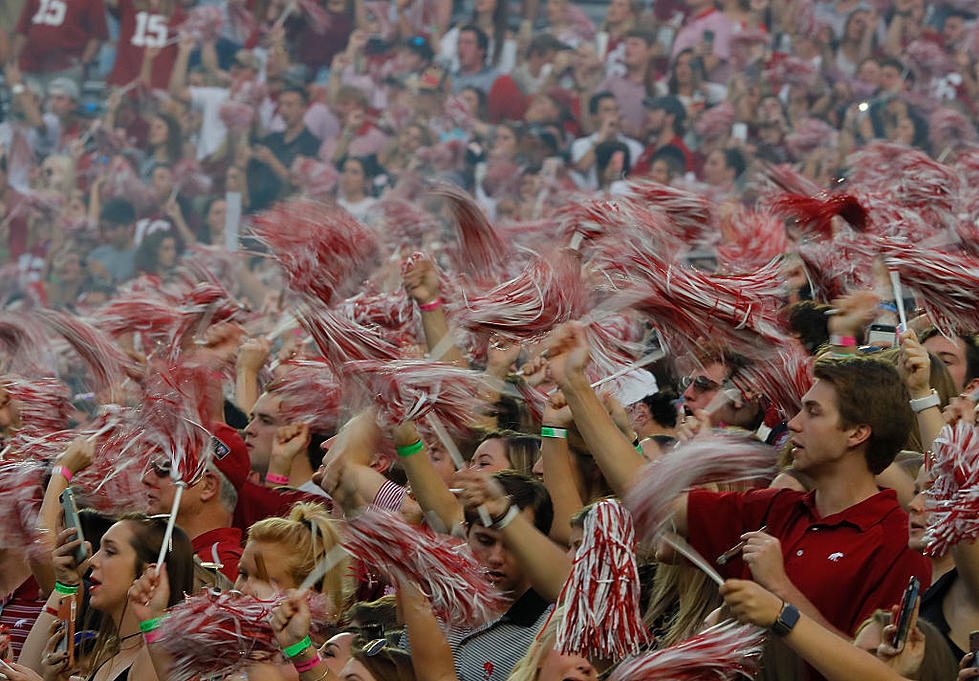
x: 634, y: 386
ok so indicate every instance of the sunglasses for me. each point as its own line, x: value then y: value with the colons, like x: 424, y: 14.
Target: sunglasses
x: 701, y: 384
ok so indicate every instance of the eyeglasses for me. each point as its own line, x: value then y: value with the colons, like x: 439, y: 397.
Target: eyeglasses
x: 374, y: 647
x: 701, y: 384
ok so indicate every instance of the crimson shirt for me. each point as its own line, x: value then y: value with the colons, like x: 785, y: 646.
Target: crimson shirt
x: 57, y: 32
x: 139, y: 29
x: 221, y: 546
x: 847, y: 564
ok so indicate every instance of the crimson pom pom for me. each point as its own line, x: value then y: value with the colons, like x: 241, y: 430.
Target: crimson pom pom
x: 319, y: 20
x: 121, y: 182
x: 25, y: 346
x: 948, y: 128
x: 393, y: 312
x: 320, y: 247
x: 481, y: 250
x: 44, y: 405
x: 315, y: 180
x: 792, y: 70
x: 715, y: 123
x: 692, y: 214
x: 310, y: 393
x: 947, y: 284
x: 411, y: 389
x: 839, y: 266
x: 153, y: 316
x: 442, y: 566
x: 928, y: 59
x: 809, y: 134
x: 534, y: 399
x: 601, y: 617
x: 953, y: 500
x: 717, y: 457
x: 107, y: 362
x: 723, y: 652
x: 754, y: 238
x: 548, y: 292
x: 203, y: 23
x: 341, y: 339
x: 217, y: 633
x: 783, y: 378
x: 207, y: 304
x: 814, y: 215
x: 236, y: 116
x: 191, y: 180
x: 21, y: 492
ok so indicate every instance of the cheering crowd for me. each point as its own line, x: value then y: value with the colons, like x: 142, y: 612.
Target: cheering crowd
x: 356, y: 340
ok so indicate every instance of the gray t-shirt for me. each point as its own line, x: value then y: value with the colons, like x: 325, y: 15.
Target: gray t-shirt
x: 121, y: 265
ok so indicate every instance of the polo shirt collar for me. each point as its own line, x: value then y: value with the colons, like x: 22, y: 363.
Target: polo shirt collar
x: 526, y: 610
x: 864, y: 515
x: 219, y: 535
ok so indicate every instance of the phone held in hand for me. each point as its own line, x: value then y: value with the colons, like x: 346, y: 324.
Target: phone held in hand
x: 882, y: 335
x: 903, y: 619
x: 70, y: 508
x: 974, y: 648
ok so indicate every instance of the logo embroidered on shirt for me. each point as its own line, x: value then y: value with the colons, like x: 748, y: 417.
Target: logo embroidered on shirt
x: 835, y: 557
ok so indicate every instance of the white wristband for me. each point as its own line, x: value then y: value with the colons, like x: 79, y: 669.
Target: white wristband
x: 922, y: 403
x: 511, y: 513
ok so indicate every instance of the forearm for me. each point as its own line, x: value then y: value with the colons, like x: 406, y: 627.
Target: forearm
x: 20, y: 42
x: 431, y: 655
x: 91, y: 48
x: 547, y: 565
x: 930, y: 424
x: 246, y: 389
x: 47, y: 525
x: 209, y: 57
x: 37, y: 639
x: 430, y: 491
x: 616, y: 457
x: 892, y: 41
x: 184, y: 229
x: 835, y: 657
x: 178, y: 76
x: 587, y: 161
x: 436, y: 327
x: 559, y: 481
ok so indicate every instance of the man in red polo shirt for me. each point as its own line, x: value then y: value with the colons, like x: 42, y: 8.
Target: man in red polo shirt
x: 207, y: 508
x: 58, y: 37
x: 838, y: 552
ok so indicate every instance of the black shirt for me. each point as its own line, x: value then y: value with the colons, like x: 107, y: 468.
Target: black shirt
x: 931, y: 608
x: 264, y: 186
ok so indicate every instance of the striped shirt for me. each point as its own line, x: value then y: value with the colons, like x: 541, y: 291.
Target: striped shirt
x: 19, y: 610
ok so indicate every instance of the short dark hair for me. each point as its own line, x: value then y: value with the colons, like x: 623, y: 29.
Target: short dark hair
x: 971, y: 351
x: 526, y: 492
x: 597, y: 98
x: 648, y: 36
x: 482, y: 40
x: 662, y: 407
x: 672, y: 156
x: 297, y: 89
x: 118, y: 212
x: 808, y: 319
x: 604, y: 152
x: 734, y: 158
x: 870, y: 391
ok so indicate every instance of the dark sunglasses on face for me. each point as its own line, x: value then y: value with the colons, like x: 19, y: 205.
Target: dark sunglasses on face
x: 700, y: 384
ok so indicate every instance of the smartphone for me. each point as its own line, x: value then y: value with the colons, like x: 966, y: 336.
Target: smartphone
x: 904, y: 612
x: 974, y: 648
x: 739, y: 131
x: 882, y: 335
x: 71, y: 521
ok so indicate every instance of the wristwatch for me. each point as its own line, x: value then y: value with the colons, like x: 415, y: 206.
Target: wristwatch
x: 786, y: 621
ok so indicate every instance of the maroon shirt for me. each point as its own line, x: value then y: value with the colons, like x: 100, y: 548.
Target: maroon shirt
x: 57, y: 32
x: 847, y: 564
x: 221, y: 546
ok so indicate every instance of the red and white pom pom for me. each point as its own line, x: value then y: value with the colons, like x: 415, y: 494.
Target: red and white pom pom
x: 691, y: 213
x: 947, y: 284
x: 121, y: 182
x: 315, y: 180
x: 481, y: 251
x: 393, y: 312
x: 411, y: 389
x: 715, y: 123
x: 43, y: 404
x: 21, y: 493
x: 104, y: 359
x: 953, y: 500
x: 754, y: 238
x: 783, y: 378
x: 840, y: 266
x: 236, y: 116
x: 25, y: 347
x: 443, y: 567
x: 716, y: 457
x: 548, y: 292
x: 191, y: 180
x: 206, y: 305
x: 153, y: 316
x: 534, y: 400
x: 949, y: 129
x: 309, y: 392
x: 445, y: 156
x: 321, y: 248
x: 218, y: 633
x: 775, y: 180
x: 928, y: 59
x: 319, y: 20
x: 203, y: 23
x: 614, y: 342
x: 745, y: 45
x: 342, y: 340
x: 810, y: 134
x: 723, y: 652
x: 793, y: 71
x: 814, y: 214
x: 601, y: 617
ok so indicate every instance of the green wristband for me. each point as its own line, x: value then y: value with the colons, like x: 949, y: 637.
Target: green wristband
x: 410, y: 450
x: 150, y: 625
x: 65, y: 589
x: 547, y: 431
x: 296, y: 648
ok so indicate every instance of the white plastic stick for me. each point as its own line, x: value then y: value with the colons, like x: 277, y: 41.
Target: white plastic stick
x: 899, y: 298
x: 168, y: 535
x: 681, y: 545
x: 460, y: 463
x: 327, y: 563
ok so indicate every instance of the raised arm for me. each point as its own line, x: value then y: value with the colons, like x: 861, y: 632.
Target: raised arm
x: 431, y: 655
x: 428, y: 488
x: 421, y: 281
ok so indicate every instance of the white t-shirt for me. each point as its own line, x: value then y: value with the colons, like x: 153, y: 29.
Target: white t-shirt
x: 358, y: 210
x: 208, y: 101
x: 581, y: 146
x: 449, y: 56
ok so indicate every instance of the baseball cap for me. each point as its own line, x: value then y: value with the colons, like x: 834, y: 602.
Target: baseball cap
x: 634, y: 386
x: 230, y: 454
x: 64, y: 86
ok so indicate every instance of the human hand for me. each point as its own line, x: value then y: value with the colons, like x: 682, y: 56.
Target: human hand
x: 907, y: 660
x: 480, y: 489
x: 960, y: 408
x: 688, y: 427
x: 618, y: 414
x: 762, y: 553
x: 535, y: 371
x: 172, y: 209
x: 290, y: 619
x: 18, y: 672
x: 966, y: 670
x: 63, y: 557
x: 79, y: 454
x: 405, y: 434
x: 421, y: 281
x: 357, y: 41
x: 501, y: 354
x: 54, y: 664
x: 12, y: 73
x: 290, y: 440
x: 263, y: 153
x: 567, y: 353
x: 253, y: 354
x: 608, y: 130
x: 854, y: 312
x: 915, y: 365
x: 150, y: 593
x: 557, y: 413
x: 751, y: 603
x: 187, y: 43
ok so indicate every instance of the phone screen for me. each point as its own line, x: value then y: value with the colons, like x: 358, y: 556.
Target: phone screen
x: 904, y: 612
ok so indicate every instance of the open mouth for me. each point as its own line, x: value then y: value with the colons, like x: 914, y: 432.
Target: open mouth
x: 495, y: 576
x: 93, y: 584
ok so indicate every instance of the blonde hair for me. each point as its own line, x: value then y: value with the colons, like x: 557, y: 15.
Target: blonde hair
x: 695, y: 594
x: 308, y: 534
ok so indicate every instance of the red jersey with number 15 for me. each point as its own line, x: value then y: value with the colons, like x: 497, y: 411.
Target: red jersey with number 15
x: 57, y: 32
x: 139, y: 29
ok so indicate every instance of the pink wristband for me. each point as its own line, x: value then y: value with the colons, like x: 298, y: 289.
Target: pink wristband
x: 843, y: 341
x: 308, y: 664
x: 152, y: 636
x: 277, y: 479
x: 428, y: 307
x: 66, y: 474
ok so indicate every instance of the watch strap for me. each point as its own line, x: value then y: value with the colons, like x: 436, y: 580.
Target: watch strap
x: 786, y: 621
x: 922, y: 403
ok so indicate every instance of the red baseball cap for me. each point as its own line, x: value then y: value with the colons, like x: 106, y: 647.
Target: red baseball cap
x: 230, y: 454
